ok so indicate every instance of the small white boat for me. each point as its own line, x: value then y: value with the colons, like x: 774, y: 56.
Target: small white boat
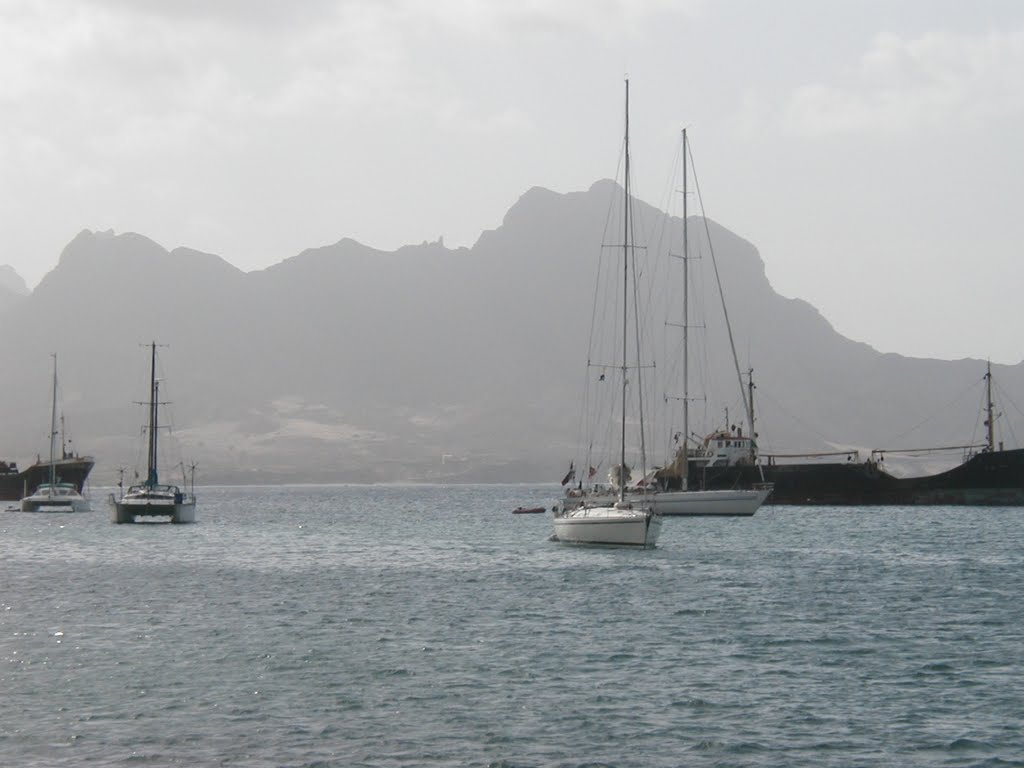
x: 153, y: 498
x: 54, y: 496
x: 618, y: 524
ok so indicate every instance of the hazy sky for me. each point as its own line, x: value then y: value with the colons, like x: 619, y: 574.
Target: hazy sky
x: 872, y: 151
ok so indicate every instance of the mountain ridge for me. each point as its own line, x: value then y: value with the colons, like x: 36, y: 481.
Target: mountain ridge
x: 345, y: 363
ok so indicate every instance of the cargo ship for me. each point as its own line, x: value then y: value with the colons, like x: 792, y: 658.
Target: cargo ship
x: 988, y: 475
x: 16, y: 484
x: 985, y: 478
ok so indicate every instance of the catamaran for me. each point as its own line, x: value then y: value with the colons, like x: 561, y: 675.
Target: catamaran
x: 54, y: 496
x: 153, y: 498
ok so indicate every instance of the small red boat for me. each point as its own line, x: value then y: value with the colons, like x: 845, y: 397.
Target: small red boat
x: 529, y: 511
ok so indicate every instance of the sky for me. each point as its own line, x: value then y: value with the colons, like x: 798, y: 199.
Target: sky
x: 871, y: 150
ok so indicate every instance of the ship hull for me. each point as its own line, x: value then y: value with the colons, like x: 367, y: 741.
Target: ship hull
x: 993, y: 479
x: 17, y: 485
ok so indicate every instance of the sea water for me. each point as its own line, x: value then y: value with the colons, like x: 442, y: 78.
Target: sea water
x: 429, y: 626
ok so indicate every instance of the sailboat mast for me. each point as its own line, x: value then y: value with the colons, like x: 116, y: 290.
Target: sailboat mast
x: 989, y: 421
x: 151, y: 474
x: 685, y: 469
x: 625, y: 303
x: 750, y: 407
x: 53, y: 424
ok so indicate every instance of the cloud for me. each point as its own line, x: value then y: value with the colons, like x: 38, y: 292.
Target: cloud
x: 96, y: 61
x: 903, y: 86
x: 227, y: 13
x: 194, y: 118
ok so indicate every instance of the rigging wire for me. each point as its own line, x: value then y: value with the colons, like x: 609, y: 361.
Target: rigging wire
x: 585, y: 430
x: 978, y: 421
x: 699, y: 319
x: 637, y: 271
x: 766, y: 395
x: 1005, y: 397
x: 935, y: 414
x: 721, y: 290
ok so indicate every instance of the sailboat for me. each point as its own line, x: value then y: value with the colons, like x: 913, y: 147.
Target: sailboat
x: 54, y: 496
x: 622, y: 521
x: 153, y: 498
x: 683, y: 500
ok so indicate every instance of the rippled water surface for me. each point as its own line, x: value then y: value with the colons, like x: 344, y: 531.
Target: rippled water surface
x: 428, y: 626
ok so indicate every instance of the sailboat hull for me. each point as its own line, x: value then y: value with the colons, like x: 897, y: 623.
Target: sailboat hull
x: 608, y: 525
x: 729, y: 503
x: 723, y: 503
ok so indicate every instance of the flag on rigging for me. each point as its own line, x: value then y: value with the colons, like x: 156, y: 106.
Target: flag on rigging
x: 570, y: 475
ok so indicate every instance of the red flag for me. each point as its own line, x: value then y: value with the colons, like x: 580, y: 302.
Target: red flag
x: 592, y: 472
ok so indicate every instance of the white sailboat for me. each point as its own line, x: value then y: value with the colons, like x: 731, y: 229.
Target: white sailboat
x: 54, y: 496
x: 684, y: 501
x: 153, y: 498
x: 619, y: 521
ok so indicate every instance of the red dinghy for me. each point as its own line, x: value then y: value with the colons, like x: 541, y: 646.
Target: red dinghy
x: 529, y: 511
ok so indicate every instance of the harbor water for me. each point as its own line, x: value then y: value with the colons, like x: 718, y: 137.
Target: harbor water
x: 429, y: 626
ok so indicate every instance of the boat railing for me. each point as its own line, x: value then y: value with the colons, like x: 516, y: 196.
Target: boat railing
x: 878, y: 454
x: 852, y: 456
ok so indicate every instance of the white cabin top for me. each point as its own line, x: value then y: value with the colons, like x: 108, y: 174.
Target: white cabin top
x: 725, y: 449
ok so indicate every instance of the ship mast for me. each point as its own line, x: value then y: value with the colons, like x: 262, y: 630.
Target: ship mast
x: 685, y: 469
x: 154, y: 390
x: 989, y: 420
x: 750, y: 402
x: 625, y: 305
x: 53, y: 425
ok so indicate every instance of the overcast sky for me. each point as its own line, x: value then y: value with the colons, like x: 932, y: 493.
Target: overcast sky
x: 872, y: 151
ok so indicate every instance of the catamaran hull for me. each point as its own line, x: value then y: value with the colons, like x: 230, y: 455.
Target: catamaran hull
x: 55, y: 497
x: 45, y: 505
x: 128, y: 511
x: 730, y: 503
x: 635, y: 531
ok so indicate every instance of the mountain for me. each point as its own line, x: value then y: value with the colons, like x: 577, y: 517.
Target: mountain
x: 349, y: 364
x: 11, y: 281
x: 12, y: 287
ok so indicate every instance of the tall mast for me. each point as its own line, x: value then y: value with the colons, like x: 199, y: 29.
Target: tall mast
x: 625, y: 302
x: 750, y: 407
x: 53, y: 424
x: 151, y: 474
x: 685, y: 469
x: 989, y: 420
